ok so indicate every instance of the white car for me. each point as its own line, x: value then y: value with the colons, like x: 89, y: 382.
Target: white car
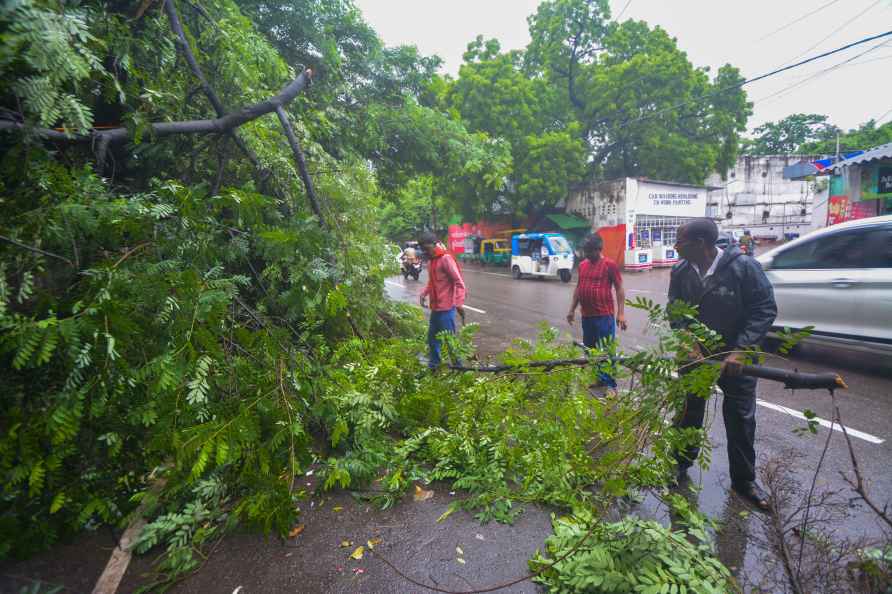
x: 839, y: 280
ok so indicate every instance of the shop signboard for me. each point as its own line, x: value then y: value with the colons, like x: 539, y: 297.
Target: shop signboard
x: 841, y: 209
x: 669, y: 200
x: 863, y: 210
x: 884, y: 182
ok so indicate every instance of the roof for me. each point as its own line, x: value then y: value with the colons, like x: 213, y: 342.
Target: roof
x: 567, y: 222
x: 454, y: 220
x: 884, y: 151
x: 535, y: 235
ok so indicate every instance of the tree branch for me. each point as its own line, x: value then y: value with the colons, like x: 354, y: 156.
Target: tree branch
x: 858, y: 484
x: 301, y: 164
x: 220, y: 125
x: 36, y: 250
x: 791, y: 379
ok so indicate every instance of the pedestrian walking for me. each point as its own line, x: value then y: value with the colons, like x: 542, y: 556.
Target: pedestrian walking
x: 599, y: 279
x: 446, y: 290
x: 736, y: 300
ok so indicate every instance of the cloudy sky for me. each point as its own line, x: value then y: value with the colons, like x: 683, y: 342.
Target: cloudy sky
x: 712, y: 32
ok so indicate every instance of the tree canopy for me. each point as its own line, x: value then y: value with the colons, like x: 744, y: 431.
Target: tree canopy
x: 786, y: 136
x: 813, y: 134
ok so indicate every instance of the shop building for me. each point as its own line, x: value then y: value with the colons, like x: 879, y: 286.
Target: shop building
x: 861, y: 186
x: 638, y: 218
x: 856, y: 186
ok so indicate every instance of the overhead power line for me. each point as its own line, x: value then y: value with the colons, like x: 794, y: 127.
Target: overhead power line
x: 838, y: 29
x: 882, y: 117
x: 757, y: 78
x: 827, y: 70
x: 623, y: 11
x: 799, y: 20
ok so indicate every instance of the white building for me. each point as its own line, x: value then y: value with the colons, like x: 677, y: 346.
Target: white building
x: 637, y: 217
x: 754, y: 195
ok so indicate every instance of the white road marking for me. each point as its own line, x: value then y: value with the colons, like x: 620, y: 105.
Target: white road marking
x: 480, y: 311
x: 823, y: 422
x: 485, y: 272
x: 638, y: 291
x: 393, y: 284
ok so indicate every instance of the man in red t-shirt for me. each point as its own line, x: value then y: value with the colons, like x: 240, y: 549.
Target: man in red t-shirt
x: 599, y: 278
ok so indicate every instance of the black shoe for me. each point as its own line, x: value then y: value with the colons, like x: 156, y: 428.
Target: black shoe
x: 752, y: 493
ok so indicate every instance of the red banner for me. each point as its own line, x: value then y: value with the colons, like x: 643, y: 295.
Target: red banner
x: 457, y: 235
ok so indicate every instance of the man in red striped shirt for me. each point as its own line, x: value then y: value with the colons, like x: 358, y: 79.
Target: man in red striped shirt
x: 599, y: 278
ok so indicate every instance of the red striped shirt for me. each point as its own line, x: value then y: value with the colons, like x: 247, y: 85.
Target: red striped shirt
x: 596, y: 281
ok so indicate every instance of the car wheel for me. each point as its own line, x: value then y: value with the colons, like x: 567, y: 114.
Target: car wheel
x: 565, y: 276
x: 515, y: 272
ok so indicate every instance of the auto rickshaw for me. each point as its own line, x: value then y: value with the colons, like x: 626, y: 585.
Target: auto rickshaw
x: 495, y: 252
x: 541, y: 254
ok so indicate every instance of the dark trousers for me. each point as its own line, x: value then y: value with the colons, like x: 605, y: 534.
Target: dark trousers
x: 440, y: 320
x: 739, y: 412
x: 595, y: 330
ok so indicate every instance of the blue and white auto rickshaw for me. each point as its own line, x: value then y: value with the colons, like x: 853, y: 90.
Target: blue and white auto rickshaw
x: 541, y: 254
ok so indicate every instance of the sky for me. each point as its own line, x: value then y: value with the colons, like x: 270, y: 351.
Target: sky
x: 711, y: 32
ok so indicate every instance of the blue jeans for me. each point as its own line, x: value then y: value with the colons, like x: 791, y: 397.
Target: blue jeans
x: 596, y: 329
x: 440, y: 320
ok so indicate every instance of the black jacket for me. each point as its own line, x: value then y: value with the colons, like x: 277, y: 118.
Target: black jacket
x: 737, y: 300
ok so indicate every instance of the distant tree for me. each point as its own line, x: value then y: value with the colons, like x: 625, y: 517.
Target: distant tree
x: 494, y: 95
x: 642, y: 107
x: 865, y: 136
x: 786, y: 136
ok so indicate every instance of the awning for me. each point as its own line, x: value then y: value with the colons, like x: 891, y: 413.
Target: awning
x: 799, y: 171
x: 568, y: 222
x: 884, y: 151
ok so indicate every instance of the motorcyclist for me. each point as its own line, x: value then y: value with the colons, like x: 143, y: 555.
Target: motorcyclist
x: 409, y: 255
x: 747, y: 243
x: 410, y: 262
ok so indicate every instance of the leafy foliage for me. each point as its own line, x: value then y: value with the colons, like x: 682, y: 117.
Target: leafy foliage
x: 787, y: 135
x: 494, y: 95
x: 642, y: 107
x: 48, y: 56
x: 632, y: 555
x: 864, y: 137
x: 152, y: 328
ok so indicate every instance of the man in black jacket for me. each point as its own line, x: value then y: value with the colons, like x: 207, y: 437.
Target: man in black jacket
x: 734, y: 299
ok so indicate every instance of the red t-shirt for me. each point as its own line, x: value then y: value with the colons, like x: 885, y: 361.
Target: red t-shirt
x: 595, y: 288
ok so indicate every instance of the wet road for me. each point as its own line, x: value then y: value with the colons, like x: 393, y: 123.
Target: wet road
x: 506, y: 308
